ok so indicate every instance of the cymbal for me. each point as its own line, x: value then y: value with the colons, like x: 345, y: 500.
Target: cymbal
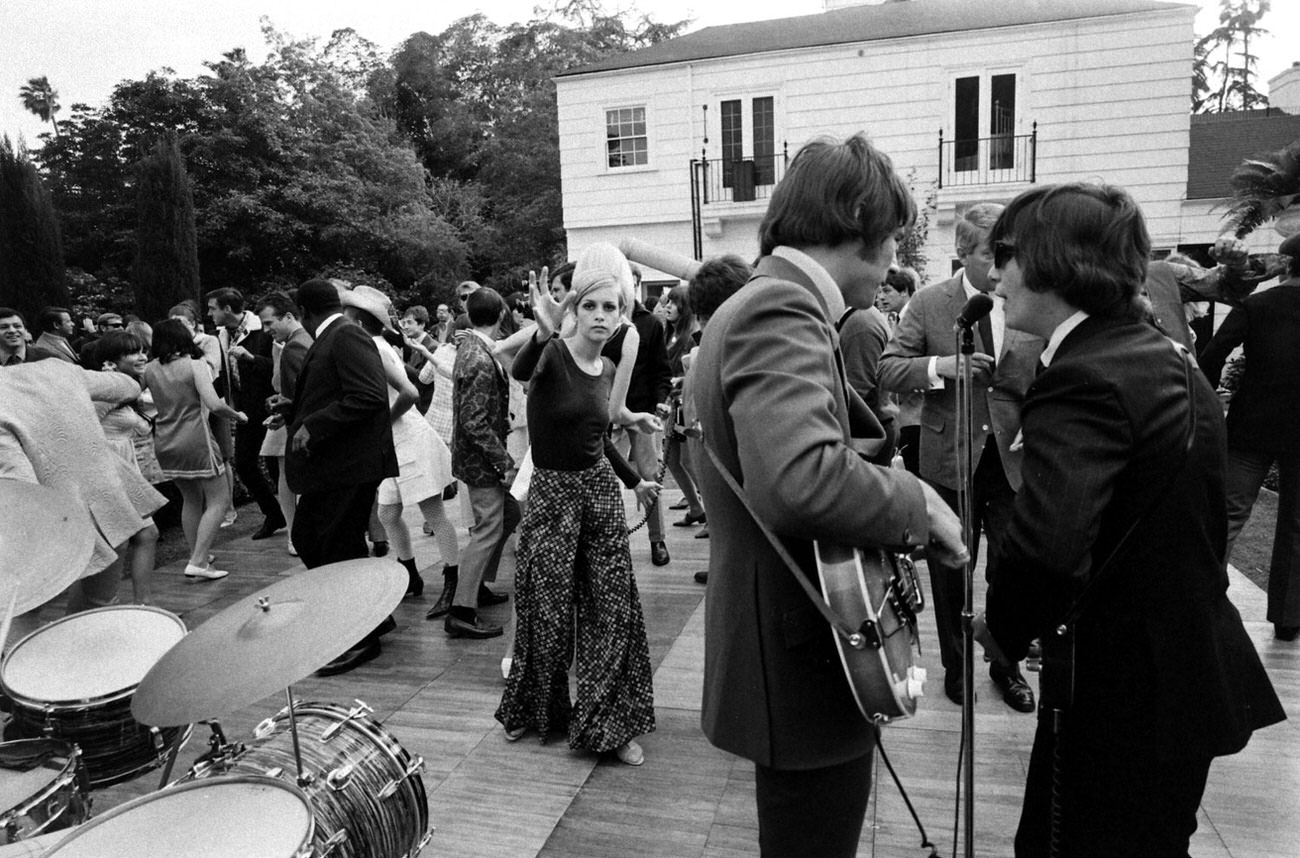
x: 267, y: 641
x: 46, y: 538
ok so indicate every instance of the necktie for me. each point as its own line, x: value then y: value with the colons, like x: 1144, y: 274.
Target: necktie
x: 986, y: 336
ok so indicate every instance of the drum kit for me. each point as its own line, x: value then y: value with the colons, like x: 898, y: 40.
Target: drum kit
x: 103, y: 696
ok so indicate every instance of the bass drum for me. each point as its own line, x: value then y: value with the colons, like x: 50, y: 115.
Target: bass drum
x: 365, y: 791
x: 74, y: 678
x: 235, y: 817
x: 44, y: 787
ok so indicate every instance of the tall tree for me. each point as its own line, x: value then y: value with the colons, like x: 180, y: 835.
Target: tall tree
x: 31, y: 252
x: 166, y: 269
x: 1223, y: 68
x: 42, y: 99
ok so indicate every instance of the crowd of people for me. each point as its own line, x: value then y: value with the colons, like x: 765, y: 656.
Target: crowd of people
x: 827, y: 393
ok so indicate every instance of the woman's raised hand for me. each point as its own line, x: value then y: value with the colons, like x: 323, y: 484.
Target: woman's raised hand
x: 546, y: 310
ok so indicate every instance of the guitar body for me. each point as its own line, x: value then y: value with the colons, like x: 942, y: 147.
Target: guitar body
x: 876, y: 593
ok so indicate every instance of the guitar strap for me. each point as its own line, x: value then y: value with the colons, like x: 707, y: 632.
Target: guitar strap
x: 841, y: 627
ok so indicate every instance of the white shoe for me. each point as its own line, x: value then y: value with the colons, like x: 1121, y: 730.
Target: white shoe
x: 293, y: 552
x: 192, y: 571
x: 505, y: 666
x: 230, y: 517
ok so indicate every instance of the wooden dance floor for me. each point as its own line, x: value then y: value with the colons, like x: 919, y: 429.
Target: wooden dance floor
x: 492, y: 799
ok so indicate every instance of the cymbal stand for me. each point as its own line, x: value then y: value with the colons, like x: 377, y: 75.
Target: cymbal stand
x: 965, y: 342
x: 303, y: 778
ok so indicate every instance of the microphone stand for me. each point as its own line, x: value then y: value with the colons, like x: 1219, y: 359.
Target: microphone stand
x: 965, y: 347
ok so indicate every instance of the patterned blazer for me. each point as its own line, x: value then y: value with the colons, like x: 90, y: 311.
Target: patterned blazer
x: 481, y: 405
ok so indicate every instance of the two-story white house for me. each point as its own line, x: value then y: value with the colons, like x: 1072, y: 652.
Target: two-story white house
x: 680, y: 144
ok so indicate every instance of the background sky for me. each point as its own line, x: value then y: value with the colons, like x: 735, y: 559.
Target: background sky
x: 86, y: 47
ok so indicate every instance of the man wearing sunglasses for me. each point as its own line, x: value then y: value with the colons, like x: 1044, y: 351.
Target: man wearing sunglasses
x: 922, y: 356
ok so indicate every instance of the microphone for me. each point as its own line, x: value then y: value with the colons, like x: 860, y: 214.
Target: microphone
x: 976, y: 308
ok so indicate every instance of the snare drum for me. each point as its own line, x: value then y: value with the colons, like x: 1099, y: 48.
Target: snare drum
x: 73, y: 680
x: 365, y: 791
x: 44, y: 786
x: 234, y: 817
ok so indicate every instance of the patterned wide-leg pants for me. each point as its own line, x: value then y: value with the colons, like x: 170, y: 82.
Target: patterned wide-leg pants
x: 575, y: 574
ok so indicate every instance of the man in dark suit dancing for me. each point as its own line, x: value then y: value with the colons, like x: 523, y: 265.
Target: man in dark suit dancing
x: 776, y: 409
x: 1263, y: 428
x: 1122, y: 438
x: 340, y: 443
x: 922, y: 356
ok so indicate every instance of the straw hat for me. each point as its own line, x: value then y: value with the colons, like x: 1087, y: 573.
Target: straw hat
x: 372, y: 301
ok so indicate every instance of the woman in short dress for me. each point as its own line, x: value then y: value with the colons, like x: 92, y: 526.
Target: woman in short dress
x: 123, y: 424
x: 684, y: 335
x: 574, y: 570
x: 181, y: 384
x: 423, y: 460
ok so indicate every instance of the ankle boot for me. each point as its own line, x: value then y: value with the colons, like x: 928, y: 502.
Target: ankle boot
x: 414, y: 583
x: 450, y: 574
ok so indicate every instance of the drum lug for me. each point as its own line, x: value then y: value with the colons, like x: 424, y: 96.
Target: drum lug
x: 419, y: 847
x: 47, y: 729
x: 339, y: 778
x: 390, y: 788
x: 334, y: 841
x: 273, y: 772
x: 362, y: 708
x: 264, y: 728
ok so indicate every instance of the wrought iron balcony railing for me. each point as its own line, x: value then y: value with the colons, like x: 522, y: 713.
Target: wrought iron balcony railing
x: 736, y: 180
x: 994, y: 160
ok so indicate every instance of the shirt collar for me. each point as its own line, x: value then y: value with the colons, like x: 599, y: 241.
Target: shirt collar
x: 484, y: 337
x: 320, y: 329
x: 820, y: 277
x: 1059, y: 334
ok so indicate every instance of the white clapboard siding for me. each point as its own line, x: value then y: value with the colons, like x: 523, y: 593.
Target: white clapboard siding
x: 1109, y: 96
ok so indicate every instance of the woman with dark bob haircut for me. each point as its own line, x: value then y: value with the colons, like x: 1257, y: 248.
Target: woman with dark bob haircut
x: 181, y: 384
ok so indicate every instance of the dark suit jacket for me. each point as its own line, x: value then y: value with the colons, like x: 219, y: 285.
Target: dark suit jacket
x: 342, y: 398
x: 249, y: 396
x: 1104, y: 430
x: 481, y: 398
x: 863, y: 336
x: 774, y: 406
x: 652, y: 375
x: 1265, y: 410
x: 292, y: 358
x: 925, y: 329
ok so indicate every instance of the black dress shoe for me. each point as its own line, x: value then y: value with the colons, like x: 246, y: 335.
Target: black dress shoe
x: 353, y: 658
x: 691, y: 520
x: 388, y: 625
x: 458, y: 628
x: 659, y: 553
x: 702, y: 577
x: 268, y: 528
x: 443, y: 605
x: 1286, y: 633
x: 1015, y: 690
x: 486, y: 598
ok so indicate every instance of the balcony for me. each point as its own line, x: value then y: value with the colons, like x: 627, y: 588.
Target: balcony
x: 732, y: 183
x: 738, y: 180
x: 997, y: 160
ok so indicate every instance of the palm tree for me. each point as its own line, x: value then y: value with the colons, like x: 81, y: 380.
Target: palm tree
x: 42, y: 99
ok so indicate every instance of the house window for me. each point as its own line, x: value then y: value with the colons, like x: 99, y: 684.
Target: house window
x: 984, y: 102
x: 625, y: 137
x: 740, y: 171
x: 733, y: 141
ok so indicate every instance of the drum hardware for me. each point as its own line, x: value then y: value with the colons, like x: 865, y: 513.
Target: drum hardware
x: 332, y: 842
x: 304, y: 779
x: 412, y: 768
x: 361, y: 709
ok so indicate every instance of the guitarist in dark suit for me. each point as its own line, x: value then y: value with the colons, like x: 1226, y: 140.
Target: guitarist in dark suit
x: 340, y: 442
x: 776, y: 409
x: 1163, y: 677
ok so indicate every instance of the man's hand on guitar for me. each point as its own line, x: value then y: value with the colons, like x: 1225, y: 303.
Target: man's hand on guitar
x: 945, y: 530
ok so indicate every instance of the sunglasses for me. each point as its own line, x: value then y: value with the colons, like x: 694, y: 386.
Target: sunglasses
x: 1003, y: 252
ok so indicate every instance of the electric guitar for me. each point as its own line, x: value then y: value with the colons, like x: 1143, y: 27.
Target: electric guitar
x: 877, y: 593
